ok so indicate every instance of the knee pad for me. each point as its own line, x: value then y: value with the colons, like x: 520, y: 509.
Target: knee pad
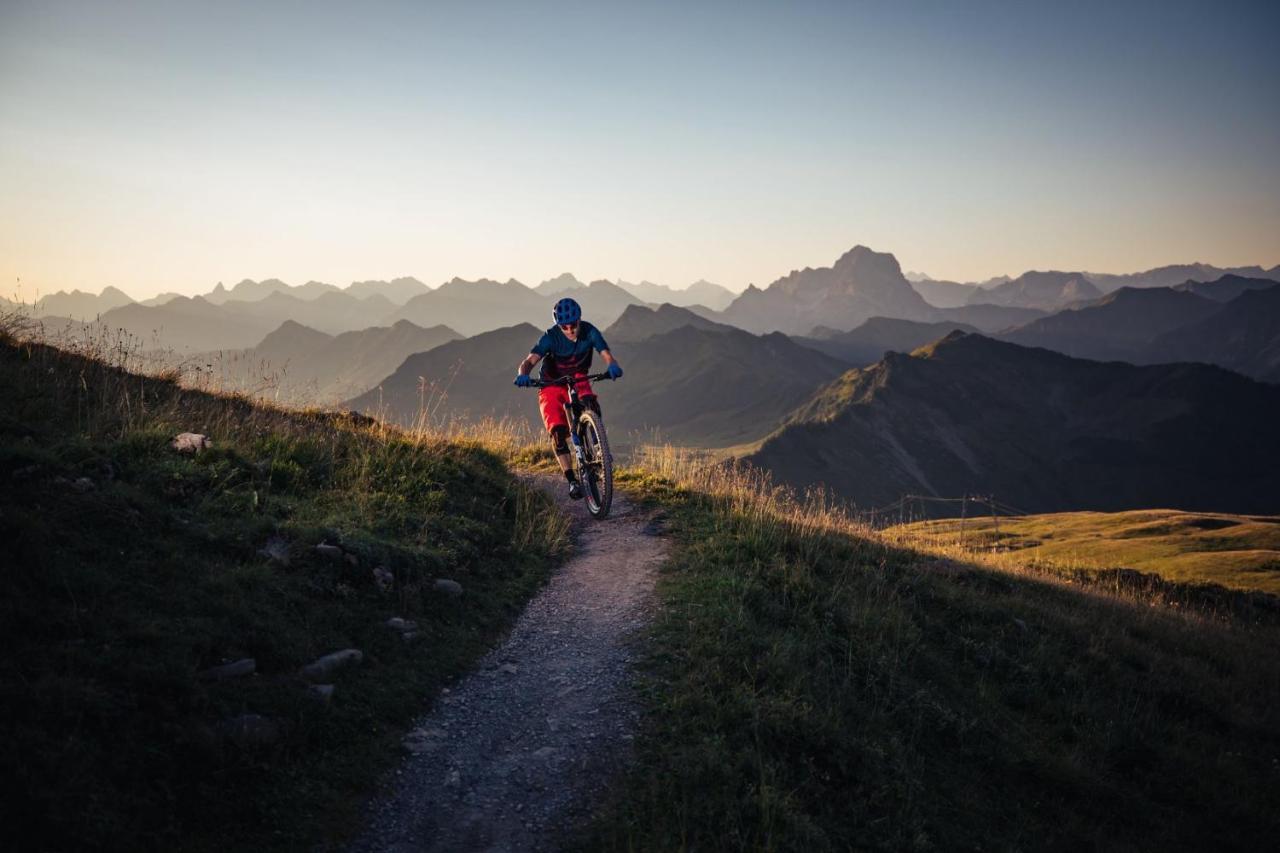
x: 560, y: 439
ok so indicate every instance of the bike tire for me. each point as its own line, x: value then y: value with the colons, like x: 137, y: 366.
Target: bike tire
x: 597, y: 479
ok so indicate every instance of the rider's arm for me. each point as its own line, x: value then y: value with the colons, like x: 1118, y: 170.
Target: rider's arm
x: 607, y: 356
x: 528, y: 364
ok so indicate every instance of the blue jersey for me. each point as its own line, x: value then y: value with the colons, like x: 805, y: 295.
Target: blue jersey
x: 562, y: 357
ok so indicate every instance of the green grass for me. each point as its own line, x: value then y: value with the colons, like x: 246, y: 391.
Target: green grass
x: 1234, y: 551
x: 119, y: 588
x: 815, y: 688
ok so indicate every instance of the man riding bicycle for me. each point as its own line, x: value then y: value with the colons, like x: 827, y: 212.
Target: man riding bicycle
x: 565, y: 350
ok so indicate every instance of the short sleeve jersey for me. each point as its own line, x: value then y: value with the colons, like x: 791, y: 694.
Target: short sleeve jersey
x: 562, y: 357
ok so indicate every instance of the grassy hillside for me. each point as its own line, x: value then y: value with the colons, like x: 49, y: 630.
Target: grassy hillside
x: 1235, y: 551
x: 132, y: 569
x: 812, y: 687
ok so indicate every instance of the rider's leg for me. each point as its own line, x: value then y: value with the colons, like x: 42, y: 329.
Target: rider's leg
x: 560, y: 444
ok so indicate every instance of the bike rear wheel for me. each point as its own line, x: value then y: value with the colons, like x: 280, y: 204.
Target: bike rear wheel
x: 597, y: 473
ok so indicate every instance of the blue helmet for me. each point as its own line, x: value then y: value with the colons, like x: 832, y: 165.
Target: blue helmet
x: 566, y: 311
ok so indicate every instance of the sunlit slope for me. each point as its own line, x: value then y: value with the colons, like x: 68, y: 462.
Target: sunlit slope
x: 1235, y: 551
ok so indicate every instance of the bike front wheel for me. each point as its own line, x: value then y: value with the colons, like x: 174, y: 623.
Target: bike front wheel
x: 597, y: 473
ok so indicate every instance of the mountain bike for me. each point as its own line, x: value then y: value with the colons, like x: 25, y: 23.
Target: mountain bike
x: 592, y: 461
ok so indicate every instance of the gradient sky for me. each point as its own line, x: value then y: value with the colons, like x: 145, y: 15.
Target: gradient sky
x: 167, y: 146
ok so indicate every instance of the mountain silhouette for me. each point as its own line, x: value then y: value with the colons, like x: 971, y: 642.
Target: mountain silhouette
x: 711, y: 387
x: 301, y: 365
x: 639, y: 322
x: 944, y: 294
x: 701, y: 292
x: 699, y: 387
x: 1175, y: 274
x: 1227, y: 287
x: 472, y: 307
x: 1119, y: 326
x: 79, y: 305
x: 1039, y: 430
x: 188, y: 324
x: 868, y: 343
x: 1243, y: 336
x: 398, y: 290
x: 1044, y: 291
x: 860, y: 285
x: 566, y: 281
x: 467, y: 379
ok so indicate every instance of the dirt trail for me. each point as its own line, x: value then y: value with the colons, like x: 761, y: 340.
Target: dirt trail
x: 519, y: 752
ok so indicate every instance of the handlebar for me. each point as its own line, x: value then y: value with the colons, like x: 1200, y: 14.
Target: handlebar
x: 565, y: 380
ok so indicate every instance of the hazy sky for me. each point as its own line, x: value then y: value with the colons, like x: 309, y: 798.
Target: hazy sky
x: 166, y: 146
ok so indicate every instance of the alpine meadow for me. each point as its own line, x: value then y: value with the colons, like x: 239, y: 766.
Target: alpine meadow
x: 538, y: 427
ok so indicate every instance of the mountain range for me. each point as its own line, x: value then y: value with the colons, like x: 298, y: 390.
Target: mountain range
x: 1233, y: 322
x: 1038, y: 430
x: 693, y: 385
x: 306, y: 367
x: 861, y: 284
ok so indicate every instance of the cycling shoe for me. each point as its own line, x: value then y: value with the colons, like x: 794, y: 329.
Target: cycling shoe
x: 575, y: 490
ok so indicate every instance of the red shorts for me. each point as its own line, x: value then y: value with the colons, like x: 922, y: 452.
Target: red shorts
x: 552, y: 400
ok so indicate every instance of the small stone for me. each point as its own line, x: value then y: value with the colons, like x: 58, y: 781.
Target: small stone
x: 322, y: 667
x: 383, y: 578
x: 454, y: 779
x: 235, y: 669
x: 409, y: 636
x: 395, y: 623
x: 451, y: 588
x: 353, y: 561
x: 509, y: 668
x: 332, y: 552
x: 82, y: 485
x: 276, y: 550
x: 321, y: 692
x: 1022, y: 626
x: 190, y: 442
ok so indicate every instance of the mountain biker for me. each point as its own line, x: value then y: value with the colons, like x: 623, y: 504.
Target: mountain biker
x: 567, y: 349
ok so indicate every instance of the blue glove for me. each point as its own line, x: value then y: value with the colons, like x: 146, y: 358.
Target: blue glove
x: 615, y: 372
x: 523, y: 380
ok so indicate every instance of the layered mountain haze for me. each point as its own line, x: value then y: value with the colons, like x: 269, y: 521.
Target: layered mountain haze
x: 472, y: 307
x: 300, y: 365
x: 398, y: 290
x: 1043, y: 291
x: 1119, y: 326
x: 189, y: 324
x: 79, y: 305
x: 639, y: 322
x: 868, y: 343
x: 705, y: 387
x: 944, y: 294
x: 860, y: 285
x: 987, y: 318
x: 1243, y: 336
x: 566, y: 281
x: 1039, y: 430
x: 701, y: 292
x: 463, y: 380
x: 1174, y: 274
x: 1226, y: 288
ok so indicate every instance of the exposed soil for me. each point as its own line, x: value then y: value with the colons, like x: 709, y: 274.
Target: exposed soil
x: 517, y: 754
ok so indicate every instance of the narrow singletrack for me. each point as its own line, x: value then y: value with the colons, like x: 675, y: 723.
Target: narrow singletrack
x: 519, y: 752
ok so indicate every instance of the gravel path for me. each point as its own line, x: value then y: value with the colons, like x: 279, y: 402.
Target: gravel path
x: 517, y: 754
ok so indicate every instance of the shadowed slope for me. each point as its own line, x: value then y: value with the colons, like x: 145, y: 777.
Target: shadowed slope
x: 1039, y: 430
